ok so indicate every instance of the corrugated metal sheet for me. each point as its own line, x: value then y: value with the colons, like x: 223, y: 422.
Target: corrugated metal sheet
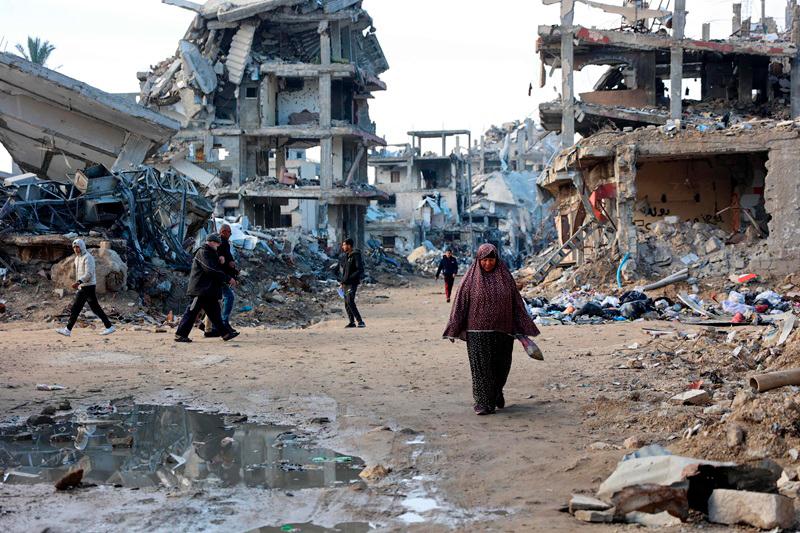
x: 239, y: 53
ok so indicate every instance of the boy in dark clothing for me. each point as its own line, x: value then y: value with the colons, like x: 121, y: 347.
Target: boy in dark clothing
x: 205, y: 286
x: 449, y: 267
x: 351, y: 268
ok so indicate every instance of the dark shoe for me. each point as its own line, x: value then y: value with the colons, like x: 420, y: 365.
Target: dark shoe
x: 448, y: 300
x: 501, y: 401
x: 180, y: 338
x: 362, y: 325
x: 212, y: 334
x: 350, y: 325
x: 482, y: 411
x: 231, y: 335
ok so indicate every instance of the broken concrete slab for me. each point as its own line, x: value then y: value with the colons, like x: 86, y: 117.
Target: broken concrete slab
x: 581, y: 502
x: 596, y: 517
x: 667, y: 470
x: 765, y: 511
x: 691, y: 397
x: 198, y: 68
x: 652, y: 520
x: 652, y: 499
x: 53, y: 124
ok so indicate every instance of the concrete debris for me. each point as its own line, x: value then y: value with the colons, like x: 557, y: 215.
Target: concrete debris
x: 596, y: 517
x: 692, y: 397
x: 663, y: 519
x: 580, y: 502
x: 765, y: 511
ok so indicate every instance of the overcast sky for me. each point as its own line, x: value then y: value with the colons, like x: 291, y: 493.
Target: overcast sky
x: 457, y: 64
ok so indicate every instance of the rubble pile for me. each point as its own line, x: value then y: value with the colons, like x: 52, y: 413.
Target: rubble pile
x: 155, y: 212
x: 425, y: 259
x: 719, y: 398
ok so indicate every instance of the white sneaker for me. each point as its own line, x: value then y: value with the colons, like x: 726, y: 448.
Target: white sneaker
x: 64, y: 331
x: 108, y: 331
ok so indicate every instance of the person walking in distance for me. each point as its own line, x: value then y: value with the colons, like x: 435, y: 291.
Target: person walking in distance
x: 86, y: 285
x: 228, y: 264
x: 205, y: 288
x: 449, y: 267
x: 351, y: 268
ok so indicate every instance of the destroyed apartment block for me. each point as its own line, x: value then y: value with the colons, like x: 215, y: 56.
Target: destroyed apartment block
x: 428, y: 190
x: 83, y: 152
x: 648, y: 165
x: 254, y: 85
x: 53, y: 125
x: 635, y: 90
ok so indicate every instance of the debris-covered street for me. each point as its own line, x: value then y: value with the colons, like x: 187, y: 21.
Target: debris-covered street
x: 343, y: 266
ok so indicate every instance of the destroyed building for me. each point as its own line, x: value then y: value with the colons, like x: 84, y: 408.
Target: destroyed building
x: 82, y: 151
x: 728, y: 161
x: 428, y: 190
x: 253, y: 82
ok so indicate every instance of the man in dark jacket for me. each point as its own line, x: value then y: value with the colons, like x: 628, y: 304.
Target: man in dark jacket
x: 449, y: 267
x: 228, y: 264
x: 351, y: 270
x: 205, y: 287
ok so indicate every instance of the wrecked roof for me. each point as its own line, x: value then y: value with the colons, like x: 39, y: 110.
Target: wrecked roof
x: 53, y: 125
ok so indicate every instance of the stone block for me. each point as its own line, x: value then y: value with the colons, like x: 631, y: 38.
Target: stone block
x: 758, y: 509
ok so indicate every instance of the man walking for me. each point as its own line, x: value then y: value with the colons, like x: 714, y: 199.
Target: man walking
x: 351, y: 268
x: 205, y: 287
x: 86, y: 277
x: 449, y: 267
x: 228, y: 265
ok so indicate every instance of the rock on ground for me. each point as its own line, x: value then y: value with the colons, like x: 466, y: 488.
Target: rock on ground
x: 766, y: 511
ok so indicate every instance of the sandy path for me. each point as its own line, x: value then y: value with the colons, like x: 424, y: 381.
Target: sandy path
x: 513, y: 469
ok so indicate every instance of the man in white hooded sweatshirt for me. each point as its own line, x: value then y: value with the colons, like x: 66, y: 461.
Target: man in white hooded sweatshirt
x: 85, y: 285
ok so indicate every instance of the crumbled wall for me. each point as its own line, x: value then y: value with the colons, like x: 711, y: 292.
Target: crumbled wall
x: 782, y: 202
x: 290, y: 102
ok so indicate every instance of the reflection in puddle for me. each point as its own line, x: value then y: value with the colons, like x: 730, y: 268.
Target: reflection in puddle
x: 151, y: 445
x: 347, y: 527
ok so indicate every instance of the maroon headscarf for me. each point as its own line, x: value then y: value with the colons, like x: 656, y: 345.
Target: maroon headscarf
x: 489, y: 301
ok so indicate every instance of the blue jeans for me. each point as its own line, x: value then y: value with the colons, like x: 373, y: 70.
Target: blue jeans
x: 227, y: 303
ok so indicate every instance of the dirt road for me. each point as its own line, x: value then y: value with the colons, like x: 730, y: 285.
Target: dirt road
x: 396, y: 395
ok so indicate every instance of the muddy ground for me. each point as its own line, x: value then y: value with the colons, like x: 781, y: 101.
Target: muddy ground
x: 395, y: 394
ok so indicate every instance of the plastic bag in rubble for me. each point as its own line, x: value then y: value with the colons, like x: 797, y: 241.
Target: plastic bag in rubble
x: 735, y: 304
x: 610, y: 301
x: 770, y: 296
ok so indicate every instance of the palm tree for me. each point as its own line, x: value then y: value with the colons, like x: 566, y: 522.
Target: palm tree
x: 38, y: 52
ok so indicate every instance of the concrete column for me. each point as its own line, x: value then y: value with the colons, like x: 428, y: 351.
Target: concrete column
x: 326, y: 163
x: 676, y: 61
x: 280, y: 156
x: 325, y: 102
x: 795, y: 73
x: 706, y: 31
x: 444, y: 145
x: 268, y: 101
x: 567, y: 75
x: 625, y: 176
x: 745, y: 69
x: 483, y: 155
x: 763, y: 16
x: 737, y: 19
x: 335, y: 225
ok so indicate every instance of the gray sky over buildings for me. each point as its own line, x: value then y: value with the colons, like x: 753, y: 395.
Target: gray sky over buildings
x: 457, y: 64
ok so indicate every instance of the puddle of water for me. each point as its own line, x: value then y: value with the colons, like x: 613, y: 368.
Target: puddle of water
x: 346, y: 527
x: 154, y: 445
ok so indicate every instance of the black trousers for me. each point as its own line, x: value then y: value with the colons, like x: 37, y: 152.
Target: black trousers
x: 209, y: 304
x: 87, y: 293
x: 350, y: 303
x: 490, y: 362
x: 449, y: 280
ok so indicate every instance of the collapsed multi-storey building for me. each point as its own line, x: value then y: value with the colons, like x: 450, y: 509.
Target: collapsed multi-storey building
x: 254, y: 84
x: 435, y: 195
x: 728, y: 159
x: 427, y: 190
